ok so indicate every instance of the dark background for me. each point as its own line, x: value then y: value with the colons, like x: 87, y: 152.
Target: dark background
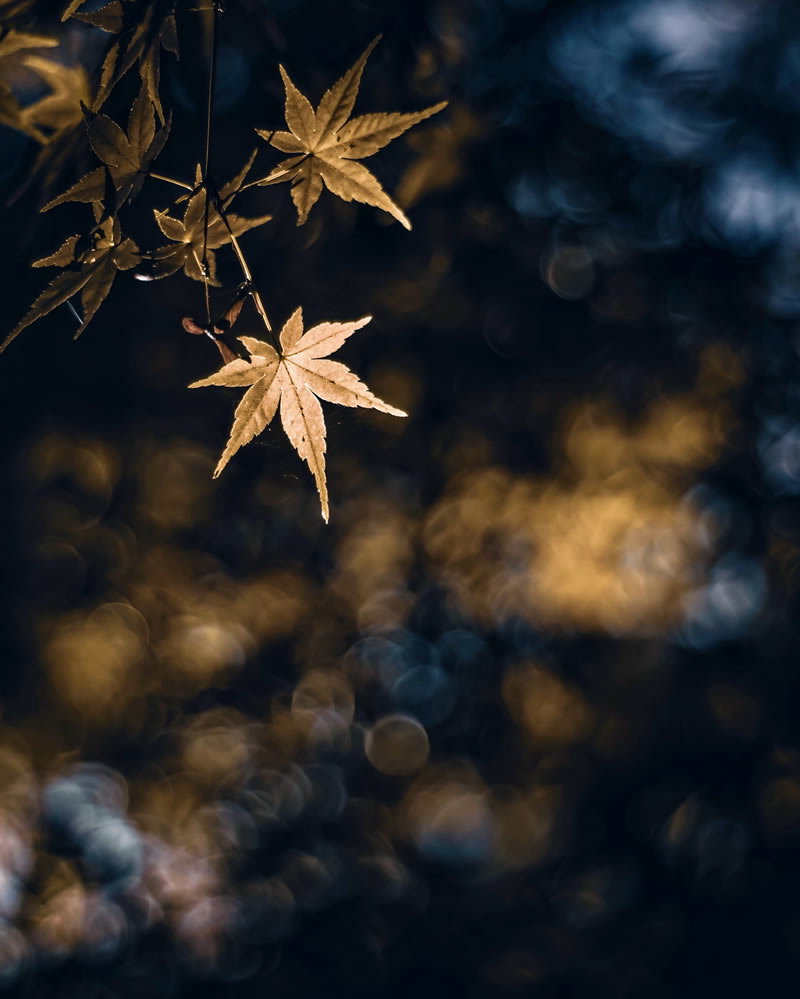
x: 573, y: 564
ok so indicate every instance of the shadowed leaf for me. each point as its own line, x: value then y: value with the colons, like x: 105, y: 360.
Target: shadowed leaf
x: 108, y: 18
x: 56, y: 293
x: 93, y: 262
x: 127, y: 157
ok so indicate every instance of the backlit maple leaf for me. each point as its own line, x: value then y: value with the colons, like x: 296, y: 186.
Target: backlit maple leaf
x: 325, y: 144
x: 296, y: 379
x: 187, y: 249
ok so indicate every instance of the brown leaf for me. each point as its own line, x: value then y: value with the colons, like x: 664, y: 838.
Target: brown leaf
x: 56, y: 293
x: 327, y: 144
x: 189, y: 231
x: 296, y: 378
x: 127, y: 157
x: 107, y: 18
x: 96, y: 290
x: 63, y: 256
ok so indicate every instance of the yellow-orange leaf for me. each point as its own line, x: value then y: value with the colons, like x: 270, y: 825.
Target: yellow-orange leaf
x: 296, y: 378
x: 328, y: 141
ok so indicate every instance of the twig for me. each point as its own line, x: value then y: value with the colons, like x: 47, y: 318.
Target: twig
x: 212, y: 195
x: 212, y: 75
x: 246, y: 272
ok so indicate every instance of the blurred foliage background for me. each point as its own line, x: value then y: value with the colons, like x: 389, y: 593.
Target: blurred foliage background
x: 523, y: 720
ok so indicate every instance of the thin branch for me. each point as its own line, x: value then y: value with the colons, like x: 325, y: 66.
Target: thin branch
x: 212, y: 195
x: 212, y: 75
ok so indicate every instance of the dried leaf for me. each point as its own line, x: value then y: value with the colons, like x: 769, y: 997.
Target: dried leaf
x: 328, y: 143
x: 296, y: 378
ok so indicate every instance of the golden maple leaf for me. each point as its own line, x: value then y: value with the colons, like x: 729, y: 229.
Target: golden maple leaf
x: 325, y: 144
x: 296, y: 378
x: 188, y: 235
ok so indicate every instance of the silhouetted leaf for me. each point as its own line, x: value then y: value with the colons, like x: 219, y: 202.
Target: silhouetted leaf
x: 127, y: 157
x: 295, y: 379
x: 108, y: 18
x: 142, y: 28
x: 93, y: 262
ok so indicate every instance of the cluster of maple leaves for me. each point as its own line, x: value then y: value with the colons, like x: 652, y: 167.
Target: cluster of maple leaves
x: 323, y: 147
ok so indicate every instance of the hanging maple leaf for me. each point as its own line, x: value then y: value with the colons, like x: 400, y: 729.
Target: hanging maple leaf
x: 325, y: 144
x: 127, y: 157
x: 187, y: 251
x: 92, y: 263
x: 143, y: 28
x: 296, y: 378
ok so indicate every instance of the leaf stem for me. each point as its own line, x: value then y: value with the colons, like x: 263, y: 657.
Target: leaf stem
x: 170, y: 180
x: 273, y: 177
x: 247, y: 275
